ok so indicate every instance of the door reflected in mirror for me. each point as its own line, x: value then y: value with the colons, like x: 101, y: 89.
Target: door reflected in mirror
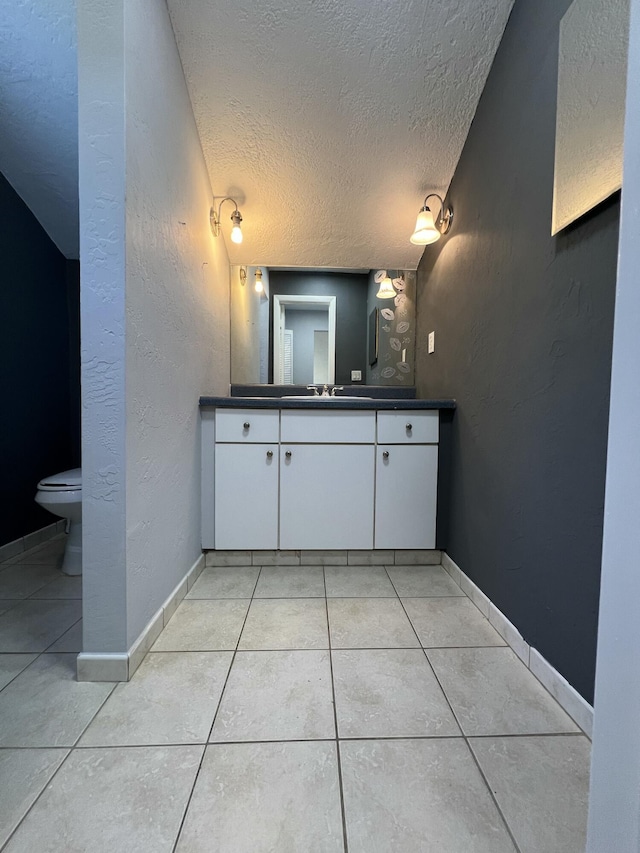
x: 304, y: 338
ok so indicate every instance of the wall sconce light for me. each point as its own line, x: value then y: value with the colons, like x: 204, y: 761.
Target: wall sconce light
x: 259, y: 285
x: 386, y: 289
x: 243, y: 276
x: 236, y: 218
x: 429, y: 229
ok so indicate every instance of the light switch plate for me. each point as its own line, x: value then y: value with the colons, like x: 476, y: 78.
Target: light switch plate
x: 356, y: 376
x: 432, y: 341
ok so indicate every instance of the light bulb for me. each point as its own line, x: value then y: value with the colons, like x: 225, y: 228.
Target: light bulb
x: 258, y: 285
x: 236, y: 232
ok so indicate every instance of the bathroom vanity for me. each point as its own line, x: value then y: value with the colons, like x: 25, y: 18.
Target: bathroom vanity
x: 304, y: 473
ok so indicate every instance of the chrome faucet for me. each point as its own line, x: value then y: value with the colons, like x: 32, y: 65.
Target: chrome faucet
x: 315, y: 389
x: 325, y: 391
x: 336, y: 388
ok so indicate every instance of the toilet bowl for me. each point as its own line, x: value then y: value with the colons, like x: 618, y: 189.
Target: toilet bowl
x: 61, y: 495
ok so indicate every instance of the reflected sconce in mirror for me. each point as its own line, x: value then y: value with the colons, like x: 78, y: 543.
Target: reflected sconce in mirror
x: 236, y: 219
x: 430, y: 228
x: 259, y: 286
x: 386, y: 289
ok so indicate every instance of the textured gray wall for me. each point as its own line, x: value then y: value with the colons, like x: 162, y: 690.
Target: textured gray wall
x: 523, y: 326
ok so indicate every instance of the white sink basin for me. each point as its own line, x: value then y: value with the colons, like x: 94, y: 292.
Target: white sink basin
x: 335, y: 399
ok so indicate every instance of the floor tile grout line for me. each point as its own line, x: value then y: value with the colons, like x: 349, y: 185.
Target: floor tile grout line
x: 213, y: 722
x: 493, y: 796
x: 347, y: 739
x: 39, y: 654
x: 464, y: 736
x: 466, y: 740
x: 343, y: 811
x: 71, y: 750
x: 28, y: 811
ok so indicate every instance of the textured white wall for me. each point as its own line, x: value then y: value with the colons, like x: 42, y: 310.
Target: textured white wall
x: 177, y: 306
x: 102, y: 298
x: 155, y: 294
x: 39, y: 107
x: 592, y: 68
x: 245, y: 328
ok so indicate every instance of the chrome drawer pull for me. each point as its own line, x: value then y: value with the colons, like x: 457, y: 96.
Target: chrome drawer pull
x: 385, y: 454
x: 288, y: 454
x: 246, y: 425
x: 409, y: 427
x: 269, y: 454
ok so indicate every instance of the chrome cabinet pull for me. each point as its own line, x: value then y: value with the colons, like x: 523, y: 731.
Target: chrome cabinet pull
x: 246, y: 425
x: 288, y: 454
x: 409, y: 427
x: 269, y: 454
x: 385, y: 454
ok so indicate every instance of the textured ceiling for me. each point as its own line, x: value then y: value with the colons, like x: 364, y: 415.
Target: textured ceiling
x: 39, y: 112
x: 329, y: 120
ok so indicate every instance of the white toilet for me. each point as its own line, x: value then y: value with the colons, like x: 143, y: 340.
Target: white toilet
x: 61, y: 494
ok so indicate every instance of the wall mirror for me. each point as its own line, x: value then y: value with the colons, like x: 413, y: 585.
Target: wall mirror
x: 312, y: 326
x: 592, y: 71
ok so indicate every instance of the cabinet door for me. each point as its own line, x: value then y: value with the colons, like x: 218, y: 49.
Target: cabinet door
x: 406, y: 491
x: 246, y: 496
x: 326, y: 496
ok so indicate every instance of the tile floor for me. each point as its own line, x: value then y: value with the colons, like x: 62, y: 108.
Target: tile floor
x: 287, y: 709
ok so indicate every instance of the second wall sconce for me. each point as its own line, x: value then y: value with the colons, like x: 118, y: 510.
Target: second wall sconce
x: 236, y: 218
x: 259, y: 286
x: 386, y: 289
x: 428, y: 227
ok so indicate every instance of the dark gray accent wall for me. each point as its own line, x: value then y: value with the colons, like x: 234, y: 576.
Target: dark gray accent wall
x: 39, y: 365
x: 523, y: 325
x: 351, y: 313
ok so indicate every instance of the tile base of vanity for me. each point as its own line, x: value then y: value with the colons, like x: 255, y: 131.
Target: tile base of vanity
x: 569, y: 698
x: 324, y: 558
x: 120, y: 666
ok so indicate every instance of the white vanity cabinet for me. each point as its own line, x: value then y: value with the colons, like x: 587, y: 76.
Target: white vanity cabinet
x: 246, y: 479
x: 327, y: 466
x: 406, y: 479
x: 315, y: 479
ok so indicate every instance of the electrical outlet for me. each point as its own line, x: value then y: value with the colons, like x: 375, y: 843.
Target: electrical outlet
x: 356, y: 376
x: 432, y: 341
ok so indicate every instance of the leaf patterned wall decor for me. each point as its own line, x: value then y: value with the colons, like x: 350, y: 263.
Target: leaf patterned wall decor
x: 396, y: 331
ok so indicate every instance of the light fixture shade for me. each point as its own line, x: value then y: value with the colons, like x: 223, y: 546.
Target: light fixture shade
x: 425, y: 231
x: 386, y: 290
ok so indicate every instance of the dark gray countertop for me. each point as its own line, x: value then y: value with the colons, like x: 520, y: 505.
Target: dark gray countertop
x: 309, y: 402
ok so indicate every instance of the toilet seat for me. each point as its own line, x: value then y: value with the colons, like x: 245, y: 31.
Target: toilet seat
x: 65, y: 481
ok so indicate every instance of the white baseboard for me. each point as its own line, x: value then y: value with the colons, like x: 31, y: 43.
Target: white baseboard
x: 567, y: 697
x: 107, y: 666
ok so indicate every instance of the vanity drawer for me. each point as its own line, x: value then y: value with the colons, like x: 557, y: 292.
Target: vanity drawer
x: 247, y: 425
x: 408, y: 427
x: 336, y: 427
